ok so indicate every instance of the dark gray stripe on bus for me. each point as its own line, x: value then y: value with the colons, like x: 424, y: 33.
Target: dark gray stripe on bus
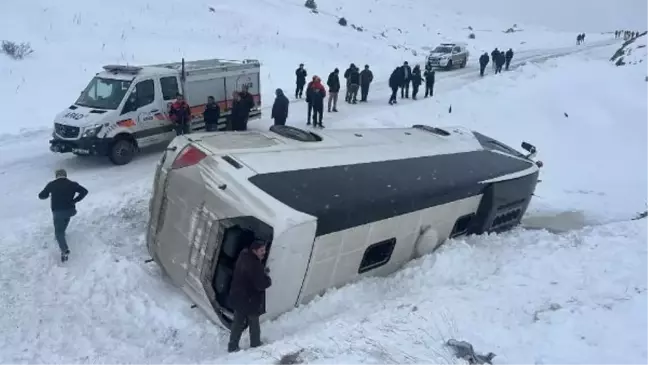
x: 346, y: 196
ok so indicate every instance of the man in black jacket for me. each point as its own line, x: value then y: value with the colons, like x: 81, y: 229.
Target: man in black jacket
x: 247, y: 294
x: 280, y: 108
x: 416, y: 80
x: 211, y: 115
x: 429, y: 75
x: 354, y: 84
x: 247, y: 103
x: 494, y: 54
x: 366, y: 77
x: 395, y: 81
x: 65, y: 194
x: 509, y: 57
x: 300, y: 80
x: 483, y: 62
x: 347, y: 73
x: 333, y: 83
x: 407, y: 77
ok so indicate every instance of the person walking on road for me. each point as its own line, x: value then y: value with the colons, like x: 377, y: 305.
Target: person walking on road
x: 247, y: 294
x: 65, y: 194
x: 483, y: 62
x: 395, y: 81
x: 508, y: 57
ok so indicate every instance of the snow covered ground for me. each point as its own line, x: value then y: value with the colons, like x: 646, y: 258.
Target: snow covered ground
x: 575, y: 293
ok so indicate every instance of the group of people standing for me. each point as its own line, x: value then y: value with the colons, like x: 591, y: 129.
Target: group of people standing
x: 404, y: 75
x: 500, y: 60
x: 242, y: 104
x: 356, y: 80
x: 626, y: 34
x: 580, y: 38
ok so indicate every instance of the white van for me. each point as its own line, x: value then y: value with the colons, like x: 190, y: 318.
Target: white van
x: 333, y: 206
x: 125, y: 108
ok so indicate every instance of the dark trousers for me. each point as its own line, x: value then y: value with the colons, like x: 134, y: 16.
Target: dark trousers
x: 238, y: 124
x: 240, y: 322
x: 211, y: 127
x: 498, y: 68
x: 508, y: 63
x: 429, y: 89
x: 482, y: 68
x: 280, y: 121
x: 309, y: 112
x: 415, y: 89
x: 392, y: 98
x: 318, y: 110
x: 181, y: 128
x: 61, y: 221
x: 405, y: 90
x: 364, y: 91
x: 353, y: 93
x: 299, y: 90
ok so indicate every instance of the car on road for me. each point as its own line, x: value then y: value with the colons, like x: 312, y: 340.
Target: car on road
x: 449, y: 55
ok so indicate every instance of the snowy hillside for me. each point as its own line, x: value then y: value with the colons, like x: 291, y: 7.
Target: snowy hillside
x: 73, y: 39
x: 633, y: 51
x: 567, y: 287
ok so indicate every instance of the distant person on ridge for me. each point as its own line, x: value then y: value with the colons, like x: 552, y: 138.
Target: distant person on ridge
x: 300, y: 80
x: 366, y: 77
x: 483, y: 62
x: 64, y: 195
x: 280, y: 108
x: 333, y: 82
x: 508, y: 58
x: 429, y: 81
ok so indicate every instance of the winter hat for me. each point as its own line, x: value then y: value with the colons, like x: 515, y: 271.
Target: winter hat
x: 60, y: 173
x: 256, y: 244
x: 336, y: 70
x: 279, y: 92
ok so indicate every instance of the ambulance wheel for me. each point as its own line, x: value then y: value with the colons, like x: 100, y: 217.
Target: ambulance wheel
x: 463, y: 64
x: 122, y: 151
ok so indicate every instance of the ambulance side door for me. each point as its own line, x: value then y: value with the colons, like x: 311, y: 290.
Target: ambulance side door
x: 138, y: 112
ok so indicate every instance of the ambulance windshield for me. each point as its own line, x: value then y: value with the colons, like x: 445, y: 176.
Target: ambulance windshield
x: 102, y: 93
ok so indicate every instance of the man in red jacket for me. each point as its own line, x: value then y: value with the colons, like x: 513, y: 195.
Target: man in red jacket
x: 315, y: 94
x: 180, y: 114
